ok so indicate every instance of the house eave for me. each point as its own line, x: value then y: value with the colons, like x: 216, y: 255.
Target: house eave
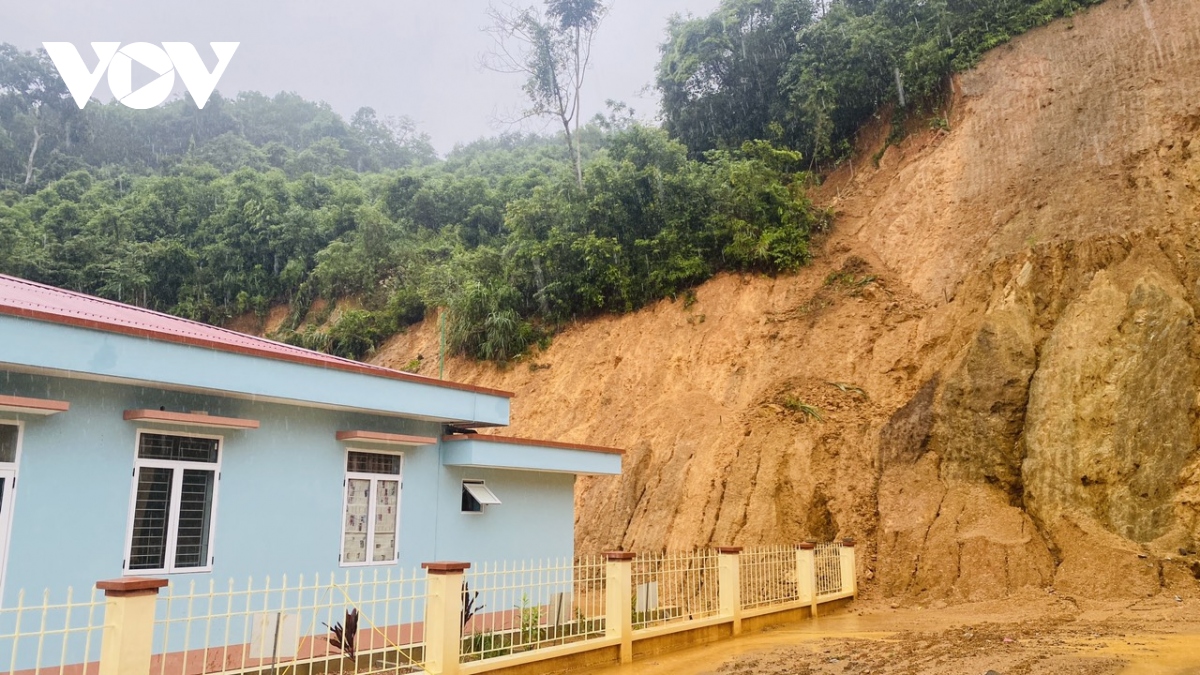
x: 40, y: 347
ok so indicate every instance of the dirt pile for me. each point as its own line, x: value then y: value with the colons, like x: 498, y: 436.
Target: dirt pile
x: 990, y: 373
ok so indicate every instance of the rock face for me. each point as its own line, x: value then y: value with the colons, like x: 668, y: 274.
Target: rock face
x: 1109, y: 426
x: 989, y: 375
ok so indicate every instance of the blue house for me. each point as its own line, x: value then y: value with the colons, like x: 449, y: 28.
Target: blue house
x: 137, y: 443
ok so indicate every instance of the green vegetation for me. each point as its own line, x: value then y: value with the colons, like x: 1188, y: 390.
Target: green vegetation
x: 499, y: 232
x: 255, y: 201
x: 808, y: 74
x: 847, y: 388
x: 797, y: 405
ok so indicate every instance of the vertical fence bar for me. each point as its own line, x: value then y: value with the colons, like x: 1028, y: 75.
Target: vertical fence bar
x: 128, y: 624
x: 618, y: 621
x: 443, y: 616
x: 729, y: 585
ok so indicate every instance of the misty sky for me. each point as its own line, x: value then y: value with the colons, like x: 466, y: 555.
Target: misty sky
x: 401, y: 57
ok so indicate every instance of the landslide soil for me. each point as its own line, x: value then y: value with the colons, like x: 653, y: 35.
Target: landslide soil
x: 1040, y: 634
x: 988, y: 375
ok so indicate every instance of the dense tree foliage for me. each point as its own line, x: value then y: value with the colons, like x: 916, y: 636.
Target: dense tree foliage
x: 44, y: 135
x: 249, y: 202
x: 809, y: 73
x: 255, y: 201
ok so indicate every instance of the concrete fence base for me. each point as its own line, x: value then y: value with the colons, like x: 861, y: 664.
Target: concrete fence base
x: 823, y: 579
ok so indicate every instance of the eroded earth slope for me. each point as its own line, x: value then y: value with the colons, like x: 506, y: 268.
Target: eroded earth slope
x: 989, y: 375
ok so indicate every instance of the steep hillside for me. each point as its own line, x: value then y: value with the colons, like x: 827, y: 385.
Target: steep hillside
x: 997, y: 341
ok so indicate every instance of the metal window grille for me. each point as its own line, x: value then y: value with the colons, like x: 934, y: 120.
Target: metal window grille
x: 768, y: 576
x: 178, y: 448
x: 372, y: 462
x: 203, y: 628
x: 174, y: 494
x: 150, y: 515
x: 510, y: 608
x: 53, y: 636
x: 8, y: 443
x: 672, y: 587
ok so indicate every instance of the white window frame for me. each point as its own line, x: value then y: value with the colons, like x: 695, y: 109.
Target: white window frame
x: 373, y: 477
x: 176, y: 498
x: 12, y: 497
x: 482, y: 505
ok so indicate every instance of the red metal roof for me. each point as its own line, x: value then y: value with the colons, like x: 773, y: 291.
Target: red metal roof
x: 19, y: 297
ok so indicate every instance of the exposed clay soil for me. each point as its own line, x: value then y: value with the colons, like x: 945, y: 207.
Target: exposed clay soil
x: 1032, y: 633
x: 998, y: 339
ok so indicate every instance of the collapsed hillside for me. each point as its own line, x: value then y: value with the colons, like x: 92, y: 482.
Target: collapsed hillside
x: 988, y: 375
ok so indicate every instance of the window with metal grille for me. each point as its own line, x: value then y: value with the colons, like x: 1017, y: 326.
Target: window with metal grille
x: 371, y: 514
x: 476, y: 495
x: 174, y: 492
x: 8, y: 443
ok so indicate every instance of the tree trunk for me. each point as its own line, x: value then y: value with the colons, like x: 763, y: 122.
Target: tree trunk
x: 540, y: 280
x: 37, y: 140
x: 576, y: 107
x: 573, y: 150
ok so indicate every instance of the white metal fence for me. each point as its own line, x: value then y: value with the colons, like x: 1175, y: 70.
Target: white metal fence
x: 670, y: 587
x: 510, y: 608
x: 367, y: 621
x: 828, y: 564
x: 768, y: 576
x: 353, y: 622
x: 52, y: 635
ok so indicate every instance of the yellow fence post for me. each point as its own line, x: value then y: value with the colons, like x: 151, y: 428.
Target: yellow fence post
x: 806, y: 574
x: 849, y: 568
x: 128, y: 624
x: 618, y: 601
x: 729, y: 584
x: 443, y: 616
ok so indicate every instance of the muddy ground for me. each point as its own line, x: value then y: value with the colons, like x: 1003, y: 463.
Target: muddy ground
x: 1030, y: 635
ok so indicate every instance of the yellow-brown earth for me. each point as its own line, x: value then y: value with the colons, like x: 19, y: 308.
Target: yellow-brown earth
x: 997, y: 341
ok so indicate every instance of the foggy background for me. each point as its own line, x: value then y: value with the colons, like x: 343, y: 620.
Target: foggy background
x: 401, y: 57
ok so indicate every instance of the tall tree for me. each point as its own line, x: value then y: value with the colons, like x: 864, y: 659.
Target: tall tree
x: 719, y: 74
x: 34, y: 103
x: 551, y: 47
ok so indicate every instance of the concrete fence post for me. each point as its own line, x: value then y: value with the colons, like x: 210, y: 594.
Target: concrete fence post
x: 618, y: 600
x: 806, y: 574
x: 128, y: 624
x: 443, y: 616
x: 849, y: 568
x: 729, y: 584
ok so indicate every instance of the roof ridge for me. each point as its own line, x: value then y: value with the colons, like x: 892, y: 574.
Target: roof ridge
x: 124, y: 318
x: 144, y: 310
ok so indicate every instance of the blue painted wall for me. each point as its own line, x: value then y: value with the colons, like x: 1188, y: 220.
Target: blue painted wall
x: 279, y: 502
x: 533, y: 516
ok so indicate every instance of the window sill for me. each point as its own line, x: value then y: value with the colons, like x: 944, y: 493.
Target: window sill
x: 382, y: 563
x: 165, y: 573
